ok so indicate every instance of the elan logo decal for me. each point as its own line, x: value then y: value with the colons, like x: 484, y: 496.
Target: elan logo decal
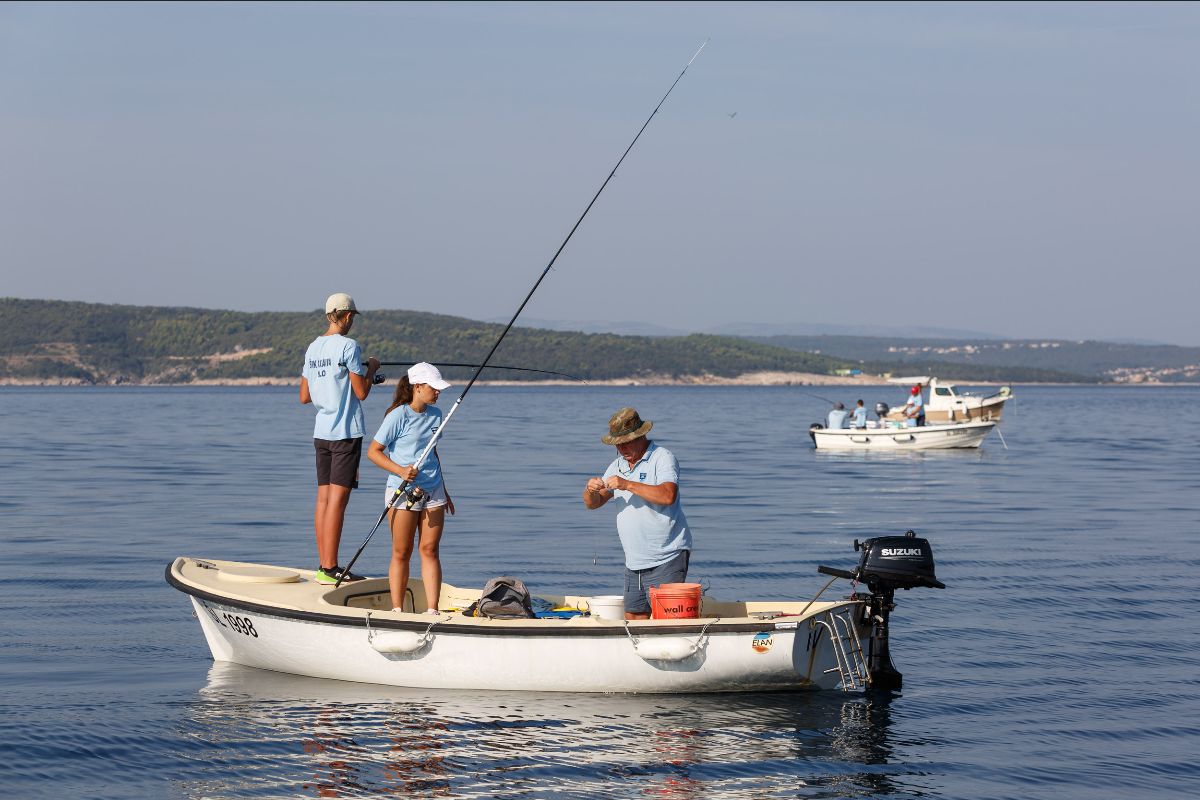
x: 762, y: 642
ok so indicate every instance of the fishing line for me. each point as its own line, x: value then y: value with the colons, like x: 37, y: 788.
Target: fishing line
x: 826, y: 399
x: 488, y: 366
x: 446, y: 421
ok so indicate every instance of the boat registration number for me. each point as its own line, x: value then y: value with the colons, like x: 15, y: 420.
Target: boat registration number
x: 243, y: 625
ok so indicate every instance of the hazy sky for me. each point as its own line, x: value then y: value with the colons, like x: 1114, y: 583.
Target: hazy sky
x: 1029, y: 170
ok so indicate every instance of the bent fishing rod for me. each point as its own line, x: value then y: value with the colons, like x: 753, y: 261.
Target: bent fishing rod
x: 379, y: 379
x: 400, y: 490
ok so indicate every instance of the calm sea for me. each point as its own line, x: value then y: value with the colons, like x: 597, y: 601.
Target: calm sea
x: 1061, y: 661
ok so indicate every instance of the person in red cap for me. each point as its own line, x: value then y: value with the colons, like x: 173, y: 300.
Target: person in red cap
x: 914, y: 409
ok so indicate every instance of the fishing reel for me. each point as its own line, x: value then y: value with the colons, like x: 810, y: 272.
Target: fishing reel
x: 378, y: 379
x: 412, y: 496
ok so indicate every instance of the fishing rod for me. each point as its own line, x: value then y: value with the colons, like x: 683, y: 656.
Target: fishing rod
x: 489, y: 366
x: 400, y: 490
x: 826, y: 399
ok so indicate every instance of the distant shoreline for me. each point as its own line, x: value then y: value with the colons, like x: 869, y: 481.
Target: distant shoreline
x: 747, y: 379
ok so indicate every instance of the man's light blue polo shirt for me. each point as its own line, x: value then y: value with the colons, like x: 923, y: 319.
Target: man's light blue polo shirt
x: 328, y: 363
x: 650, y: 534
x: 836, y: 418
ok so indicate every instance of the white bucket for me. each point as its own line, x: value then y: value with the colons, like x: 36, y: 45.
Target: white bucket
x: 608, y: 606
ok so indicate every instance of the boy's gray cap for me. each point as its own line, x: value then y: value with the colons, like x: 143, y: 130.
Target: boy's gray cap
x: 340, y: 301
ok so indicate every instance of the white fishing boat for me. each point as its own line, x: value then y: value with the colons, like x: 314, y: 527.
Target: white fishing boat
x: 947, y: 404
x: 887, y: 435
x: 281, y: 619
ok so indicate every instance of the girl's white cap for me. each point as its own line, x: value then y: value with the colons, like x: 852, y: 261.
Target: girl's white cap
x: 424, y: 372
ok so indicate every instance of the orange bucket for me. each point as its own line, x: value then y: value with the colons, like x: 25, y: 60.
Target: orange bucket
x: 675, y: 601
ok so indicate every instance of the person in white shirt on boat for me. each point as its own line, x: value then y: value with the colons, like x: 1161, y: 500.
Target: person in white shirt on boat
x: 914, y: 409
x: 336, y: 382
x: 644, y: 480
x: 837, y: 416
x: 859, y: 416
x: 407, y: 428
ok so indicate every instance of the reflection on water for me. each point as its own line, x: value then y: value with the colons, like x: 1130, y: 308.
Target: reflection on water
x: 283, y: 734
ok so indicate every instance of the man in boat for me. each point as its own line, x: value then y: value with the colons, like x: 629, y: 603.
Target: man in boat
x: 837, y: 416
x: 644, y: 480
x: 336, y: 382
x: 914, y: 409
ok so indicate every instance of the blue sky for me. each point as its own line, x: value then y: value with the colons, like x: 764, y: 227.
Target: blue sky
x: 1028, y: 170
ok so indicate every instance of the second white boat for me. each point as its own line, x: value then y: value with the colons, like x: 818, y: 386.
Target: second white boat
x: 924, y: 437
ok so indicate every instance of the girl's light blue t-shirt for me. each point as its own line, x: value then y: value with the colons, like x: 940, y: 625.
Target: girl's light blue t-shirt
x: 328, y: 363
x: 404, y: 435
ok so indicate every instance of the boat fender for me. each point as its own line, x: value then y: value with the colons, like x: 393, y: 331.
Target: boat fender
x: 398, y: 641
x: 668, y: 648
x: 672, y: 648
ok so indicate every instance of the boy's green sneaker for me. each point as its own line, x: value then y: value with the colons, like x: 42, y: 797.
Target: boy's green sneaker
x: 331, y: 576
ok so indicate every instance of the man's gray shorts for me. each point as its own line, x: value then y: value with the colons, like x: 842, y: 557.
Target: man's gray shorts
x: 638, y: 581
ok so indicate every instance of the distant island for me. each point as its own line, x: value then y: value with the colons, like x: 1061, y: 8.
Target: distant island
x: 51, y: 342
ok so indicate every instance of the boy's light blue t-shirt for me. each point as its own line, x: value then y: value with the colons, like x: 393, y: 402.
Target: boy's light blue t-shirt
x: 404, y: 435
x: 650, y: 534
x: 860, y: 417
x: 328, y: 363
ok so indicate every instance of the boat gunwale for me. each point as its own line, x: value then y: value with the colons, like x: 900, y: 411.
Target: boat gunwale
x: 467, y: 626
x: 882, y: 431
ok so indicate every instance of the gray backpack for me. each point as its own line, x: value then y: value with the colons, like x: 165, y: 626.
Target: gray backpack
x: 503, y: 598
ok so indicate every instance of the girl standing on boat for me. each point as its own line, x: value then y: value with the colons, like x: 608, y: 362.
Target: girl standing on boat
x: 410, y: 423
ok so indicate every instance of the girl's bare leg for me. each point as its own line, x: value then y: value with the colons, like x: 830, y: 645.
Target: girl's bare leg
x: 404, y: 526
x: 432, y: 522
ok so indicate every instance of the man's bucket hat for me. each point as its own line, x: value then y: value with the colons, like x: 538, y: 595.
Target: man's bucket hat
x: 625, y: 426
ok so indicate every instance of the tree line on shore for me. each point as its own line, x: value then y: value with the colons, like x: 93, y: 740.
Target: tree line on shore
x: 50, y: 341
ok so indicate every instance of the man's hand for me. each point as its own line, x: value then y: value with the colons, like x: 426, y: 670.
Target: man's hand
x: 595, y: 493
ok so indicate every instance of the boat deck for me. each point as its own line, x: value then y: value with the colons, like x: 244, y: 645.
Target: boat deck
x: 295, y: 592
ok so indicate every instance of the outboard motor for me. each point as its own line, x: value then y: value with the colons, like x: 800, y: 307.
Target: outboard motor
x: 881, y: 410
x: 816, y: 426
x: 888, y: 563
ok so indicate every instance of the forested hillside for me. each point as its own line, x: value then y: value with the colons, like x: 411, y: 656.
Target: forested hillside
x: 53, y: 341
x: 93, y: 343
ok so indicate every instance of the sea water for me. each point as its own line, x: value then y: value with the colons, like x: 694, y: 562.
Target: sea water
x: 1061, y: 661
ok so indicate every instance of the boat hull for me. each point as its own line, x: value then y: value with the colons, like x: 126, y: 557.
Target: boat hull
x: 988, y: 409
x: 323, y: 639
x: 926, y: 437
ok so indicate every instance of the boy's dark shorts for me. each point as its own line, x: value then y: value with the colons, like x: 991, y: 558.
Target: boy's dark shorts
x: 639, y: 581
x: 337, y: 461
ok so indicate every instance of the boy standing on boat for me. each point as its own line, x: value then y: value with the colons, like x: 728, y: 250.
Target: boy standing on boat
x: 859, y: 417
x: 336, y: 382
x: 644, y: 479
